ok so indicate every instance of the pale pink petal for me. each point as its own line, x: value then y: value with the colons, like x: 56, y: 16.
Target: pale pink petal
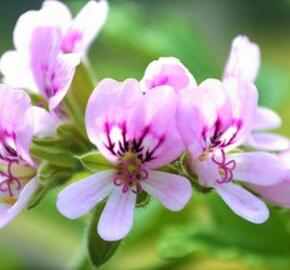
x: 24, y: 136
x: 9, y: 212
x: 44, y: 48
x: 173, y: 191
x: 266, y: 119
x: 244, y: 60
x: 243, y: 203
x: 258, y: 168
x: 117, y: 218
x: 269, y: 141
x: 24, y: 28
x: 85, y: 27
x: 4, y: 217
x: 278, y: 194
x: 16, y: 70
x: 285, y: 158
x: 45, y: 123
x: 79, y: 198
x: 167, y: 71
x: 109, y: 106
x: 207, y: 172
x: 64, y: 71
x: 58, y: 13
x: 24, y: 198
x: 243, y: 97
x: 29, y: 21
x: 203, y: 112
x: 160, y: 137
x: 17, y: 123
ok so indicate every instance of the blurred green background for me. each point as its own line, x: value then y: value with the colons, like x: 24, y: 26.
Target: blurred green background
x: 206, y: 235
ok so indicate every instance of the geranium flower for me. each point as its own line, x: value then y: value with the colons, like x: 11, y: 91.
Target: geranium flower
x: 137, y: 134
x: 38, y: 64
x: 244, y: 63
x: 215, y: 118
x: 17, y: 170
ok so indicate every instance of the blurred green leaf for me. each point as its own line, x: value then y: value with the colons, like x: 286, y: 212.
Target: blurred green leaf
x: 78, y: 95
x: 95, y: 161
x: 228, y: 236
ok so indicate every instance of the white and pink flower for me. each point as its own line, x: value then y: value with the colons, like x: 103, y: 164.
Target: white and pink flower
x: 17, y: 169
x: 49, y: 45
x: 215, y: 118
x: 137, y: 133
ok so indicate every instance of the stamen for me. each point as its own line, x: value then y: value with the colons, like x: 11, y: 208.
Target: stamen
x: 10, y: 181
x: 226, y: 168
x: 131, y: 176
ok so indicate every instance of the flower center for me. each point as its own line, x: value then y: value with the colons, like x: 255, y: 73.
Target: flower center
x: 225, y: 168
x: 130, y: 174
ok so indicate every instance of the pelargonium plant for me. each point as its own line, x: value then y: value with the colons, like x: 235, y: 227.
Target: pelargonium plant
x: 165, y: 136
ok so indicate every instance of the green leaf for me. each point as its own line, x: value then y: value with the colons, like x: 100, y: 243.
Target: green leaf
x: 52, y: 153
x: 100, y: 251
x: 49, y: 176
x: 77, y: 98
x: 95, y: 161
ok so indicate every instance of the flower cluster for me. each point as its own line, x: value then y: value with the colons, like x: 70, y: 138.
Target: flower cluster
x: 142, y: 129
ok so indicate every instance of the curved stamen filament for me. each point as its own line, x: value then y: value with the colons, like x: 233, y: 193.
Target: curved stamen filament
x: 226, y: 168
x: 10, y: 181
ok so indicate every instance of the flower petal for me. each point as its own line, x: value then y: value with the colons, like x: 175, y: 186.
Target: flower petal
x: 15, y: 67
x: 45, y: 123
x: 117, y: 218
x: 258, y: 168
x: 243, y: 203
x: 167, y: 71
x: 159, y: 130
x: 269, y: 141
x: 199, y: 111
x: 278, y: 194
x: 243, y: 97
x: 8, y: 212
x: 173, y: 191
x: 64, y: 71
x: 58, y: 13
x: 4, y: 217
x: 24, y: 198
x: 19, y: 121
x: 85, y: 27
x: 266, y: 119
x: 244, y: 60
x: 109, y: 106
x: 79, y: 198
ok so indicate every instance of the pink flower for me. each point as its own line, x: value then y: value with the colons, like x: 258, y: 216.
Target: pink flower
x: 244, y: 63
x: 38, y: 63
x: 137, y: 133
x: 17, y: 172
x: 215, y: 118
x: 278, y: 194
x: 167, y: 71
